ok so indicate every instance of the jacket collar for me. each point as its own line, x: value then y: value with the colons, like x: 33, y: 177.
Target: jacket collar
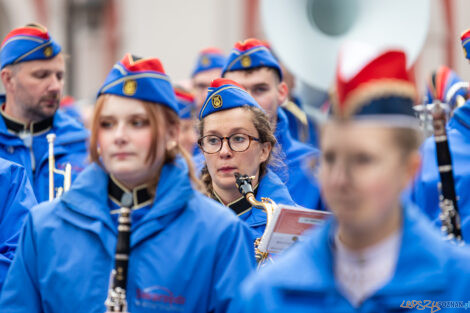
x: 34, y: 128
x: 86, y: 203
x: 418, y: 247
x: 66, y: 128
x: 139, y: 196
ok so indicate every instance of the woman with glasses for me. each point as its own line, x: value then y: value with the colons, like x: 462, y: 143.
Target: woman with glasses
x: 236, y: 137
x: 186, y: 253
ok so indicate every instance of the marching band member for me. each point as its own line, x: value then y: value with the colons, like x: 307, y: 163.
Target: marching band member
x: 301, y: 126
x: 378, y: 253
x: 32, y: 71
x: 187, y: 253
x: 16, y: 199
x: 425, y: 191
x: 446, y: 86
x: 252, y: 65
x: 186, y: 107
x: 236, y: 136
x: 209, y: 64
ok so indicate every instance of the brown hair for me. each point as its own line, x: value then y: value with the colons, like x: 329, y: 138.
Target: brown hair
x: 158, y: 115
x: 265, y: 133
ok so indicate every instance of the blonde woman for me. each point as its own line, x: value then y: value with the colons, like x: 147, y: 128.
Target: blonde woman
x: 187, y: 253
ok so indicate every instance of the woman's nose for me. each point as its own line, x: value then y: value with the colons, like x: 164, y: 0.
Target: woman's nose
x: 225, y: 150
x: 120, y: 134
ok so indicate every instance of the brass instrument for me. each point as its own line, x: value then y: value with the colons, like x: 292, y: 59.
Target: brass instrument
x: 328, y: 24
x: 269, y: 206
x: 67, y: 172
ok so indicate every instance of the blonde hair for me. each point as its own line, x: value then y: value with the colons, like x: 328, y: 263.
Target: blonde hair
x: 158, y: 115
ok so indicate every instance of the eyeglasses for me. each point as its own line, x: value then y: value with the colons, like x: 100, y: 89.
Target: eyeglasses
x: 236, y: 142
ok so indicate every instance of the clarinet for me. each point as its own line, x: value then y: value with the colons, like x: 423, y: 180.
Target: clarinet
x: 447, y: 200
x: 116, y: 300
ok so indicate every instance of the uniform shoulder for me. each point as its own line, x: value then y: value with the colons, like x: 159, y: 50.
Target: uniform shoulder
x: 206, y: 205
x: 209, y: 211
x: 69, y: 129
x: 44, y: 213
x: 11, y: 168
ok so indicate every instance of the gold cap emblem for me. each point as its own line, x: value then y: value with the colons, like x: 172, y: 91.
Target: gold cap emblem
x: 47, y: 51
x: 216, y: 101
x: 205, y: 61
x: 130, y: 87
x: 245, y: 61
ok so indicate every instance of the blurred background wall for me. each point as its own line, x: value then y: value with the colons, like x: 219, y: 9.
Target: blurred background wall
x: 96, y: 33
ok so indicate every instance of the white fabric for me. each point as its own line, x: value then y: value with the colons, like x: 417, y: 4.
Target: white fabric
x: 354, y: 56
x: 361, y: 274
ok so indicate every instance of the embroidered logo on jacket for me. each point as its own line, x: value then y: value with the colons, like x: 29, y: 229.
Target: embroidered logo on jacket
x: 159, y: 297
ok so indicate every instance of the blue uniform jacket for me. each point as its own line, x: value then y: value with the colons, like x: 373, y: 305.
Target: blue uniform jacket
x: 302, y: 280
x: 16, y: 198
x: 300, y: 181
x: 425, y: 192
x: 271, y: 187
x: 306, y: 133
x: 69, y: 147
x: 188, y: 253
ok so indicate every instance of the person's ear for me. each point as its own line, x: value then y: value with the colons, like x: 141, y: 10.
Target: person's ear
x: 172, y: 133
x: 282, y: 92
x: 266, y: 148
x: 7, y: 78
x: 413, y: 165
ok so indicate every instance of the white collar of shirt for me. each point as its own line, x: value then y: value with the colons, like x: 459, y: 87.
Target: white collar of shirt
x: 360, y: 274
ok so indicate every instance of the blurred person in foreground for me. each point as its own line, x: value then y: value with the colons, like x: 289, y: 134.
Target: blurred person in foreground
x: 185, y: 252
x: 379, y: 253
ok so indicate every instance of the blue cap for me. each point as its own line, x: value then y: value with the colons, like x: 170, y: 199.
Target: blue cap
x: 446, y: 86
x: 186, y: 104
x: 465, y: 40
x: 28, y: 43
x: 224, y: 94
x: 249, y: 54
x: 209, y: 59
x: 142, y: 79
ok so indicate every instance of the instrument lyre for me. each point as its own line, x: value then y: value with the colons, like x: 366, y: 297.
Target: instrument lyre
x: 66, y: 172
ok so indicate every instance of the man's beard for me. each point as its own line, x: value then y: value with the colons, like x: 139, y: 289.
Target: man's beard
x: 39, y: 111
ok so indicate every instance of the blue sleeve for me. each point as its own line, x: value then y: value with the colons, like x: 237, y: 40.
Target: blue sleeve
x: 20, y: 292
x: 234, y: 262
x: 16, y: 201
